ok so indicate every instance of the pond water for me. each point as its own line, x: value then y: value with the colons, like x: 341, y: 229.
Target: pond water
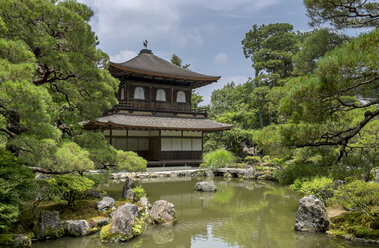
x: 241, y: 214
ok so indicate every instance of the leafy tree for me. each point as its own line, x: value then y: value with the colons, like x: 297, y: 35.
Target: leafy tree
x: 178, y: 61
x: 196, y: 99
x: 343, y: 13
x: 16, y: 188
x: 72, y: 187
x: 52, y: 78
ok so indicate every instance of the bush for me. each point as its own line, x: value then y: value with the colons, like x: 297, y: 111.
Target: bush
x: 72, y: 187
x: 130, y: 161
x: 139, y: 192
x: 218, y: 158
x: 357, y: 195
x: 253, y: 159
x: 296, y: 170
x: 17, y: 186
x: 321, y: 187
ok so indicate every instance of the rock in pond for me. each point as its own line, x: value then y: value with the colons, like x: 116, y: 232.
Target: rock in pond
x: 209, y: 174
x: 227, y: 175
x: 105, y: 203
x: 121, y: 225
x: 76, y: 227
x: 163, y: 213
x: 206, y: 186
x: 311, y: 215
x: 15, y: 240
x: 249, y: 173
x: 49, y: 226
x: 267, y: 176
x: 145, y: 205
x: 127, y: 190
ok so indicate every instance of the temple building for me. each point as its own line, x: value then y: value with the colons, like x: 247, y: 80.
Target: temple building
x: 154, y: 116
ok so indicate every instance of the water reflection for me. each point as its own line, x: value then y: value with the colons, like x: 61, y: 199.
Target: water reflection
x: 240, y: 214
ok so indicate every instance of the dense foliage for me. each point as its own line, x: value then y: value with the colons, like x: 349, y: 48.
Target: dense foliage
x: 16, y: 188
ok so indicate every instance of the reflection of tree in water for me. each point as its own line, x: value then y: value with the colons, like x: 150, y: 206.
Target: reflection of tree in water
x: 258, y: 218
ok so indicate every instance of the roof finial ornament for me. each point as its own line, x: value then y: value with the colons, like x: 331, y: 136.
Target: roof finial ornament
x: 145, y: 44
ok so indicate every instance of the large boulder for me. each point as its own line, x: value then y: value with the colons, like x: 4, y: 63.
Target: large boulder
x: 206, y: 186
x: 121, y: 225
x: 249, y: 173
x: 49, y: 226
x: 76, y: 227
x: 311, y: 215
x: 105, y: 204
x: 127, y: 190
x: 163, y: 213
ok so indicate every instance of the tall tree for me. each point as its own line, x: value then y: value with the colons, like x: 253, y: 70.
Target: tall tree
x: 343, y: 13
x: 52, y: 77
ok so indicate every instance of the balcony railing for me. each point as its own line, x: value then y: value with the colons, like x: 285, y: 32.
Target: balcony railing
x: 158, y: 107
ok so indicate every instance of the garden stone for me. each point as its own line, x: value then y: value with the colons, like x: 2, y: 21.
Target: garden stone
x: 49, y: 226
x: 209, y: 174
x: 311, y: 215
x: 76, y: 227
x: 21, y: 241
x: 132, y: 208
x: 376, y: 174
x: 206, y: 186
x: 249, y: 174
x: 144, y: 202
x: 121, y: 226
x: 105, y: 203
x: 227, y: 175
x: 266, y: 177
x: 127, y: 190
x: 100, y: 222
x: 163, y: 213
x: 258, y: 174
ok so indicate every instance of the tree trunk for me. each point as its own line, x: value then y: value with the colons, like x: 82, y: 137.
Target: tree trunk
x: 260, y: 119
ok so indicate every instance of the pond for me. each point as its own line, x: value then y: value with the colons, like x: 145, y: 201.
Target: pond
x: 255, y: 214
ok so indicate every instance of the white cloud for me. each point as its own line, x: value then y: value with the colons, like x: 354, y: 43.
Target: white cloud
x: 160, y: 21
x: 221, y: 58
x: 123, y: 56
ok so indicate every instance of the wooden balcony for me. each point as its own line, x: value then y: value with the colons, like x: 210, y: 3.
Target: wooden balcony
x: 158, y: 107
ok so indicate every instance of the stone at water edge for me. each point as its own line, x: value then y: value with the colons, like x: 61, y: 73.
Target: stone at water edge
x: 249, y: 173
x: 121, y: 225
x: 144, y: 202
x: 76, y: 227
x: 209, y: 174
x: 227, y: 175
x: 21, y: 241
x: 206, y: 186
x: 163, y: 213
x: 311, y: 215
x: 105, y: 204
x: 49, y: 226
x: 127, y: 189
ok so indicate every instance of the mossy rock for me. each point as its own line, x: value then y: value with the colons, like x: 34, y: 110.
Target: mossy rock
x: 252, y: 159
x: 15, y: 240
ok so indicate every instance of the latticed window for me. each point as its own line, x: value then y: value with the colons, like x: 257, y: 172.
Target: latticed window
x: 161, y: 95
x: 181, y: 97
x: 139, y: 93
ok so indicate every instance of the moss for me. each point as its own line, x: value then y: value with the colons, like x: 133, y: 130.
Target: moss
x: 357, y: 224
x: 6, y: 239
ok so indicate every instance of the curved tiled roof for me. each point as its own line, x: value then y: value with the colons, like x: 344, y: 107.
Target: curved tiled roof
x: 147, y: 63
x: 158, y: 122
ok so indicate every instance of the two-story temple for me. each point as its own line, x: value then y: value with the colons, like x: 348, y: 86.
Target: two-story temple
x: 154, y: 116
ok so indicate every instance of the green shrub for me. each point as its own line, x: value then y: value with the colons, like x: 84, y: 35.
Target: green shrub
x: 298, y: 183
x: 139, y: 192
x: 17, y: 186
x: 296, y: 170
x: 266, y: 158
x: 218, y: 158
x: 72, y: 187
x: 130, y: 161
x: 321, y: 187
x: 357, y: 195
x: 253, y: 159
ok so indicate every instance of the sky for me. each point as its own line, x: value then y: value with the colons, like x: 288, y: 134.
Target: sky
x: 204, y: 33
